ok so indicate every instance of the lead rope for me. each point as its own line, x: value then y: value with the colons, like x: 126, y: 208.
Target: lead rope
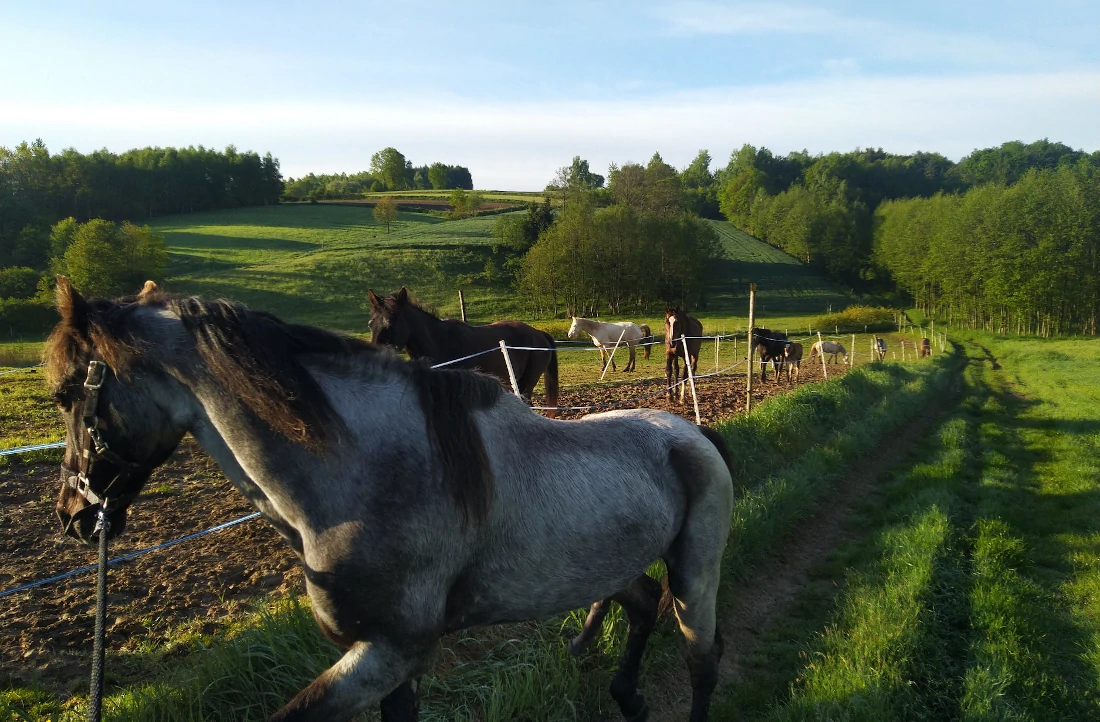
x: 95, y: 697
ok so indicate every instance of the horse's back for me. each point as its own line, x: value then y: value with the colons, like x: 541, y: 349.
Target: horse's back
x: 604, y: 493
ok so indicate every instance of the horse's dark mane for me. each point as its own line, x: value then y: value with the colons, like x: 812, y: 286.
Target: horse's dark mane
x: 258, y: 358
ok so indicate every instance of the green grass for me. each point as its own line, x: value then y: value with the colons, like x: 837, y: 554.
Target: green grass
x: 27, y: 416
x: 314, y: 263
x: 970, y: 587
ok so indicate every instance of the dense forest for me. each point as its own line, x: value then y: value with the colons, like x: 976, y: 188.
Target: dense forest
x: 1019, y: 258
x: 389, y: 171
x: 1012, y: 212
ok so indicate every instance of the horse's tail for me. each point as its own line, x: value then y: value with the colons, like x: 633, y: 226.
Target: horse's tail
x: 550, y: 378
x: 646, y: 338
x: 719, y: 443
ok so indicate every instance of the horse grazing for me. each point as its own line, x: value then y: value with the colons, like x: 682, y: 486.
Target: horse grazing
x: 398, y: 321
x: 792, y: 359
x: 925, y: 347
x: 772, y: 347
x: 606, y: 334
x: 828, y: 347
x: 678, y: 323
x: 419, y: 501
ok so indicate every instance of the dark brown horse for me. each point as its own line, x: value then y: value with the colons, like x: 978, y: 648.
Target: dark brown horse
x: 925, y: 347
x: 398, y: 321
x: 772, y: 346
x: 677, y: 324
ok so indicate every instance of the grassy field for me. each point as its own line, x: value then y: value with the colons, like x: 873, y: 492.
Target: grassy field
x: 313, y: 263
x: 970, y: 587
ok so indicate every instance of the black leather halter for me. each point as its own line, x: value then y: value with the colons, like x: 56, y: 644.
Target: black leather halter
x: 94, y: 445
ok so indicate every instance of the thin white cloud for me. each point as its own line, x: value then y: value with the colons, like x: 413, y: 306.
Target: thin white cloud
x: 519, y: 145
x: 881, y: 39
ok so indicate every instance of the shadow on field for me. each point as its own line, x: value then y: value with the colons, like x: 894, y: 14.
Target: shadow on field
x: 1018, y: 513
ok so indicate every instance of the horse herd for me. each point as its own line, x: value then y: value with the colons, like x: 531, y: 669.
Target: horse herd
x: 398, y: 321
x: 420, y: 501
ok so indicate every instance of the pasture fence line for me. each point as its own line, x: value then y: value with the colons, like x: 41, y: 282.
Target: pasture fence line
x: 131, y: 555
x: 32, y: 447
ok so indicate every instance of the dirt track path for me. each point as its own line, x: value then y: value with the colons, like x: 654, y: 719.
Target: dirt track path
x: 770, y: 593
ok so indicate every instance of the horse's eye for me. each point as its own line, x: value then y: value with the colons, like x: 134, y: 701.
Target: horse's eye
x: 61, y: 401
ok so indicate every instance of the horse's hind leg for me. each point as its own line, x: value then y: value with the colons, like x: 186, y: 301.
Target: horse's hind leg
x: 640, y: 600
x: 592, y: 624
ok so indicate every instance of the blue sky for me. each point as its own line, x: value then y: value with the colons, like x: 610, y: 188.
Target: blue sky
x: 513, y: 89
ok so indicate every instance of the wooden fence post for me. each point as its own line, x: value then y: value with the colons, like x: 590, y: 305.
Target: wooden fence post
x: 821, y: 347
x: 852, y: 358
x: 462, y: 308
x: 511, y: 371
x: 691, y: 380
x: 752, y: 320
x: 607, y: 365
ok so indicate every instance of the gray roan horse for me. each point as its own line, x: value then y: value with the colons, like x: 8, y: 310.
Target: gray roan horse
x: 419, y: 501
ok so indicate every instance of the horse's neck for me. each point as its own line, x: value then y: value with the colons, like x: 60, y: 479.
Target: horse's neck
x: 424, y: 339
x: 252, y: 456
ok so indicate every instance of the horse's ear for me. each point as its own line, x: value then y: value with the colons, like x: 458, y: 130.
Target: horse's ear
x: 147, y: 291
x: 71, y: 305
x: 375, y: 301
x: 402, y: 295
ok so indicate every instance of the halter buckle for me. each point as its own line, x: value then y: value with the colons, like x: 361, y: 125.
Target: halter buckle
x: 96, y: 372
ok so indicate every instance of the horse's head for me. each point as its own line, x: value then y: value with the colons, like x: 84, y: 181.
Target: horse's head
x: 672, y: 318
x: 389, y: 324
x: 573, y: 328
x: 119, y: 425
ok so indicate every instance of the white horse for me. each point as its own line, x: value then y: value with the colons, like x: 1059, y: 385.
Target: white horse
x: 606, y: 334
x: 829, y: 347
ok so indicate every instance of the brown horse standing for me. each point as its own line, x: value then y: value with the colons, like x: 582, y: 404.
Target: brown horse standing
x: 402, y: 323
x: 772, y: 347
x: 792, y: 358
x: 678, y: 323
x: 925, y: 347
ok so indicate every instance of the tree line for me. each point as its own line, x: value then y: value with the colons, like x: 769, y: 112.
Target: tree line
x: 621, y: 248
x: 821, y: 209
x: 38, y: 189
x: 389, y: 171
x: 1008, y: 258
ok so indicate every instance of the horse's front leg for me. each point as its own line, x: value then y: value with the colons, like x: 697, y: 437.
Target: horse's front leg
x: 369, y: 673
x: 632, y: 361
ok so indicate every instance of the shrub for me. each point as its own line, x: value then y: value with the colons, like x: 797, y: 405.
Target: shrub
x: 21, y: 317
x: 857, y: 318
x: 18, y: 282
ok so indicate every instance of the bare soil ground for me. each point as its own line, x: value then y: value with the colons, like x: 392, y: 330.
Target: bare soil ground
x: 45, y: 633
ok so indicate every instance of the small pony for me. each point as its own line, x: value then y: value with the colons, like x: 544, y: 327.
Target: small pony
x: 678, y: 323
x: 925, y: 347
x: 792, y: 359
